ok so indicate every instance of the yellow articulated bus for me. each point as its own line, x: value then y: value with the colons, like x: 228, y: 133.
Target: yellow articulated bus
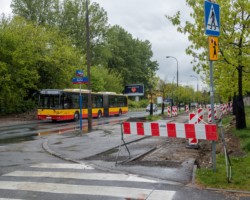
x: 59, y: 105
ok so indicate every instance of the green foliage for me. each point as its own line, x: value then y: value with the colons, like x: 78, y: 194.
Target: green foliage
x: 185, y: 94
x: 153, y: 117
x: 32, y: 58
x: 130, y: 57
x: 138, y: 104
x: 240, y: 174
x: 68, y: 16
x: 37, y: 11
x: 45, y: 42
x: 103, y: 80
x: 234, y: 41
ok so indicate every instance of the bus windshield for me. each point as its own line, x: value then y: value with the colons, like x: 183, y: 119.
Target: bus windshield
x: 50, y: 101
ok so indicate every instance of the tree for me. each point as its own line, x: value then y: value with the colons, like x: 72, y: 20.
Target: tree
x: 104, y: 80
x: 38, y: 11
x: 130, y: 57
x: 162, y: 88
x: 32, y: 58
x: 69, y: 16
x: 234, y: 42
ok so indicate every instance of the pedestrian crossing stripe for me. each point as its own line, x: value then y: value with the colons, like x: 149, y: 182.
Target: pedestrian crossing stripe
x: 212, y: 23
x: 82, y: 176
x: 81, y: 189
x: 58, y: 188
x: 9, y: 199
x: 63, y: 166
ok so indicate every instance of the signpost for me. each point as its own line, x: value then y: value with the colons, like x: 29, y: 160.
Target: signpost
x: 212, y: 29
x: 80, y: 80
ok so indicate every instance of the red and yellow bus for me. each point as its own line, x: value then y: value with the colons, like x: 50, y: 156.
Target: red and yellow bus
x: 58, y: 105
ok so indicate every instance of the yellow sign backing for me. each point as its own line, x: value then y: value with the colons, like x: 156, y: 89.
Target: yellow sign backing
x: 213, y: 44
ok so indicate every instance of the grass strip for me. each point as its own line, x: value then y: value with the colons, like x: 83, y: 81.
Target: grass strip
x: 240, y: 164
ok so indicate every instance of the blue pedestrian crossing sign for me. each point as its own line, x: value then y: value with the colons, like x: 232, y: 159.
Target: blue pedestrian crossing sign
x: 212, y: 18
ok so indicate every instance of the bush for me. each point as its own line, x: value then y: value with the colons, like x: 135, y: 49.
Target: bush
x: 138, y: 104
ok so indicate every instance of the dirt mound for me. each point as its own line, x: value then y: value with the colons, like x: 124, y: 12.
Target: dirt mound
x: 204, y: 160
x: 27, y: 116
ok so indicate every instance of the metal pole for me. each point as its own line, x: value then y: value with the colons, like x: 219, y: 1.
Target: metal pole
x: 80, y: 108
x: 212, y: 113
x: 177, y: 75
x: 88, y: 69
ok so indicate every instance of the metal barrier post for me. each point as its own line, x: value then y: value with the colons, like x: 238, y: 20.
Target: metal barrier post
x: 122, y: 143
x: 227, y: 158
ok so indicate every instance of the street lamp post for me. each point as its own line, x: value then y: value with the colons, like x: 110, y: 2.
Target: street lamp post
x: 177, y: 75
x: 197, y: 86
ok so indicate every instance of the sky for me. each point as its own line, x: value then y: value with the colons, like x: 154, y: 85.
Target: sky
x: 145, y: 20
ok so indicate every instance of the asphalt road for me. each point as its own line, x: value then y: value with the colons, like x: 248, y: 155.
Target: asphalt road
x: 29, y: 172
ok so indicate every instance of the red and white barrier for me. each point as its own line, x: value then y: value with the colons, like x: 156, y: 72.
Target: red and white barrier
x: 169, y: 111
x: 195, y: 119
x: 209, y: 118
x: 231, y: 106
x: 200, y: 115
x: 224, y: 108
x: 174, y: 110
x: 174, y: 130
x: 215, y: 112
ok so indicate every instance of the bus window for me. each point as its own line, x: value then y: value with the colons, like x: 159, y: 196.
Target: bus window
x: 68, y: 102
x: 84, y: 101
x: 75, y: 100
x: 97, y: 101
x: 49, y: 101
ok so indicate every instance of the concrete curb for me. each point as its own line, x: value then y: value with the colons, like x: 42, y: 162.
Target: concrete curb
x: 48, y: 150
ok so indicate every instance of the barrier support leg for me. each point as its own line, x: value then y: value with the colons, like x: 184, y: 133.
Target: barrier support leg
x: 227, y: 158
x: 122, y: 143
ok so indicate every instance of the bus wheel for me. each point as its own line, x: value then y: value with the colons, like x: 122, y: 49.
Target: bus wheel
x: 76, y: 116
x: 99, y: 115
x: 120, y: 112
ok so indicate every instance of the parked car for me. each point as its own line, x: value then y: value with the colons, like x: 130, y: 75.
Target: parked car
x: 154, y: 108
x: 193, y: 104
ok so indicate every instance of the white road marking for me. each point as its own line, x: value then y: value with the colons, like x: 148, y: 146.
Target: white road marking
x: 9, y: 199
x: 122, y: 192
x: 81, y: 175
x: 63, y: 166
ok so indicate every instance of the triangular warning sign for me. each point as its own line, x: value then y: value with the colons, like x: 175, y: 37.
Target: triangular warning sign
x: 212, y: 23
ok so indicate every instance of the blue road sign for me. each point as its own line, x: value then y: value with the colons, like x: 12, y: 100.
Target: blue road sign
x: 79, y: 73
x: 212, y: 18
x: 80, y: 80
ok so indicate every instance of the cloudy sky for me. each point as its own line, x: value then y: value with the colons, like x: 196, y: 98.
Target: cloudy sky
x: 145, y: 20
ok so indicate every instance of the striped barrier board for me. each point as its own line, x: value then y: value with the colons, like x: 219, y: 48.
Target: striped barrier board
x: 174, y: 130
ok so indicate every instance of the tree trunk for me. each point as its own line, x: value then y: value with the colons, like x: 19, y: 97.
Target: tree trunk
x: 240, y: 110
x: 162, y: 108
